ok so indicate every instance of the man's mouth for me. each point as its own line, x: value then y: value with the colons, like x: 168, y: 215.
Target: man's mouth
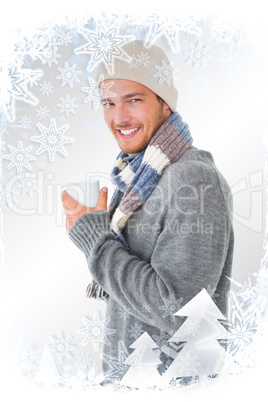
x: 128, y: 132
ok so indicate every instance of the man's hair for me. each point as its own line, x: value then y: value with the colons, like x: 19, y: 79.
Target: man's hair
x: 160, y: 100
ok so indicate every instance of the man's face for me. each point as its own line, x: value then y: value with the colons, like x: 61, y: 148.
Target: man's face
x: 134, y: 114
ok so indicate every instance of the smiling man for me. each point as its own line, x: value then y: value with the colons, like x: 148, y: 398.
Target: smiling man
x: 168, y: 232
x: 134, y: 114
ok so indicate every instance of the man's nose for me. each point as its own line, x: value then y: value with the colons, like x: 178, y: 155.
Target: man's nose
x: 122, y: 115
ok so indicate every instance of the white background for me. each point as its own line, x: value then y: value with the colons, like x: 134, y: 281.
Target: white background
x: 45, y: 274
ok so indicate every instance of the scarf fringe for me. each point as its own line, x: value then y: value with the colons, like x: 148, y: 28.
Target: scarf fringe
x: 95, y: 291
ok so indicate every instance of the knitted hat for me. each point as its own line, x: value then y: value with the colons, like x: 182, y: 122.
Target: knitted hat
x: 147, y: 66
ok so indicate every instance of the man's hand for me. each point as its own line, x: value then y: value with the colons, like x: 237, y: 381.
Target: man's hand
x: 74, y: 210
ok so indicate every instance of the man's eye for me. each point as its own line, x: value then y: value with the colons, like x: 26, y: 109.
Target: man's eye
x: 107, y: 104
x: 135, y: 100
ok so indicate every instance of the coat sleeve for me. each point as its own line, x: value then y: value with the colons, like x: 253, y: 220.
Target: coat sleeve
x: 186, y: 257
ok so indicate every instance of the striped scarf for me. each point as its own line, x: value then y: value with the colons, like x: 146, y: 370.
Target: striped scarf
x: 138, y: 179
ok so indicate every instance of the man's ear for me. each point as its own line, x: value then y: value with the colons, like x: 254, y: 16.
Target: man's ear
x: 167, y: 109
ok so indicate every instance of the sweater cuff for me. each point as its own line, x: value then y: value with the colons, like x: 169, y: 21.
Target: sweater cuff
x: 88, y: 229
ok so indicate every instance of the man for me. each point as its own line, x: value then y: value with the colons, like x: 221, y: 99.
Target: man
x: 168, y: 233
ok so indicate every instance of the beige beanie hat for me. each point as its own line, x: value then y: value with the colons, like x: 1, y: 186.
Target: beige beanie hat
x: 147, y: 66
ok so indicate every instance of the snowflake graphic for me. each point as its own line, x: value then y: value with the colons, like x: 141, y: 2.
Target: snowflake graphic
x: 73, y: 378
x: 231, y: 59
x: 42, y: 113
x: 31, y: 46
x: 2, y: 145
x: 34, y: 79
x: 197, y: 55
x: 83, y: 362
x: 60, y: 347
x: 96, y: 331
x: 62, y: 119
x: 25, y: 122
x: 39, y: 166
x: 117, y: 367
x: 143, y: 59
x: 103, y: 46
x: 247, y: 294
x: 47, y: 35
x: 68, y: 74
x: 241, y: 334
x: 104, y: 89
x: 163, y: 338
x: 228, y: 31
x: 27, y: 361
x: 28, y: 184
x: 190, y: 327
x: 52, y: 139
x: 19, y: 157
x: 171, y: 306
x: 153, y: 321
x: 124, y: 313
x: 165, y: 73
x: 68, y: 375
x: 135, y: 330
x: 146, y: 308
x: 262, y: 277
x: 67, y: 105
x: 49, y: 56
x: 187, y: 363
x: 119, y: 20
x: 174, y: 383
x: 13, y: 86
x: 7, y: 197
x: 162, y: 25
x: 33, y: 350
x: 242, y: 322
x: 97, y: 91
x: 63, y: 36
x: 10, y: 176
x: 28, y: 367
x: 25, y: 136
x: 46, y: 88
x: 134, y: 63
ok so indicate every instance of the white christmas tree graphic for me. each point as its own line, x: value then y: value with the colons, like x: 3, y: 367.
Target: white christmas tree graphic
x: 202, y: 355
x: 143, y: 364
x: 47, y: 372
